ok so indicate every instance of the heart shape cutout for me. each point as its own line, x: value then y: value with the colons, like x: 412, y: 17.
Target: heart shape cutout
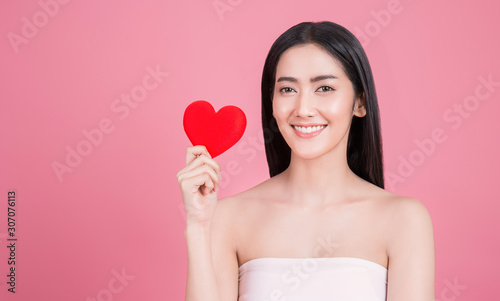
x: 217, y: 131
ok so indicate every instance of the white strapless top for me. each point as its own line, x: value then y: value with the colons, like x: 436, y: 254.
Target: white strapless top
x: 312, y: 279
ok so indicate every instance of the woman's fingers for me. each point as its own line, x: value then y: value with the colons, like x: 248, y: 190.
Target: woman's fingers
x: 198, y: 181
x: 203, y: 160
x: 202, y: 183
x: 203, y: 176
x: 192, y: 152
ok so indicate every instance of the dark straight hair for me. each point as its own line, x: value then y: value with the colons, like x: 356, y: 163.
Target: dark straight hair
x: 364, y: 147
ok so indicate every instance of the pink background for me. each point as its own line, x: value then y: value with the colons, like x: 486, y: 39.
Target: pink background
x: 119, y: 208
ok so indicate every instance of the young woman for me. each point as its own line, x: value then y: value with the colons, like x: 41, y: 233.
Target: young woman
x: 322, y: 227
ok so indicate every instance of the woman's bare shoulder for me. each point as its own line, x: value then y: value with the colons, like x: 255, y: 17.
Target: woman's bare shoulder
x: 398, y: 210
x: 253, y: 195
x: 405, y: 215
x: 393, y: 201
x: 410, y: 240
x: 230, y: 206
x: 232, y: 213
x: 409, y: 213
x: 406, y: 222
x: 403, y: 206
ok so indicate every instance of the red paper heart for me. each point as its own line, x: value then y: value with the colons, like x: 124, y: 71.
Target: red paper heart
x: 216, y: 131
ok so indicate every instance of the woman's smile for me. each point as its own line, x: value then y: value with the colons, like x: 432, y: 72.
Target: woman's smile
x: 309, y: 130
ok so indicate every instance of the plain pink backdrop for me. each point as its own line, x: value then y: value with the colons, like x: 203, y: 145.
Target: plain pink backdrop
x: 119, y: 210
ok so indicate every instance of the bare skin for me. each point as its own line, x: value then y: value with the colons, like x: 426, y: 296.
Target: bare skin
x: 317, y: 201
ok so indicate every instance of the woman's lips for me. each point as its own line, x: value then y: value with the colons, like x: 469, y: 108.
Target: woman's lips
x: 308, y: 131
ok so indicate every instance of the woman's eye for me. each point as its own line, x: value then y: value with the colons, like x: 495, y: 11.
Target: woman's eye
x: 325, y: 89
x: 286, y: 90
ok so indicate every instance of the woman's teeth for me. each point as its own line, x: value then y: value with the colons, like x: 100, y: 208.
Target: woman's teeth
x: 310, y: 129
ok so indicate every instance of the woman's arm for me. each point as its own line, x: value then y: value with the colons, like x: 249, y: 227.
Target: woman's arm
x: 411, y: 253
x: 212, y: 264
x: 206, y: 231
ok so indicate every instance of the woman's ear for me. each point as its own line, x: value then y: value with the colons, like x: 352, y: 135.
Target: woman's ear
x: 360, y: 106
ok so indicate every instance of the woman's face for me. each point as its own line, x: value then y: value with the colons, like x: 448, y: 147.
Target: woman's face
x: 313, y: 101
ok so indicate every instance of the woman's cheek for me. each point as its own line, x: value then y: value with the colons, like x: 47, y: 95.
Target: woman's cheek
x: 338, y: 108
x: 280, y: 109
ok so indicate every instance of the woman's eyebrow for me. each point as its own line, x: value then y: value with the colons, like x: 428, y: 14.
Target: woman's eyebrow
x: 322, y: 77
x: 313, y: 80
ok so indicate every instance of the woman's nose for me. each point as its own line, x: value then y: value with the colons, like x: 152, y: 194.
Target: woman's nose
x: 305, y: 106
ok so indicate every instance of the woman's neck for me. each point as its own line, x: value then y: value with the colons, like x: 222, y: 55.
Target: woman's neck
x: 325, y: 179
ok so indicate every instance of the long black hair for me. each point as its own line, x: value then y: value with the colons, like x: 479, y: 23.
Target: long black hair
x: 364, y: 147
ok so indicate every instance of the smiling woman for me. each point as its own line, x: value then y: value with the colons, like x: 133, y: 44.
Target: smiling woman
x: 346, y: 56
x: 306, y: 104
x: 267, y: 243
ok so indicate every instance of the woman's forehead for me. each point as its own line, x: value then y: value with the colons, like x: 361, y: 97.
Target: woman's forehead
x: 308, y: 61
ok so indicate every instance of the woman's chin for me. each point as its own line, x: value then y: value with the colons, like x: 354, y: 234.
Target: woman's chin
x: 308, y: 154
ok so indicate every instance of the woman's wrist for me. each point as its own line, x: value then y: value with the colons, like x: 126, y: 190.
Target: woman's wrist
x: 197, y: 229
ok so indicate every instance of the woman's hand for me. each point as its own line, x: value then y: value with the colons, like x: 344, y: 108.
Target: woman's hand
x: 199, y: 182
